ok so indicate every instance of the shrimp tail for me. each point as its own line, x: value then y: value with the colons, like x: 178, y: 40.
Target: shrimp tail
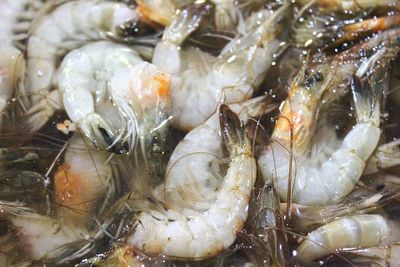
x: 233, y: 131
x: 185, y: 23
x: 366, y: 101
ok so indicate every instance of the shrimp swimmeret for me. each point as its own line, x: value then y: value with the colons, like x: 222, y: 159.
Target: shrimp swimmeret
x: 200, y: 81
x: 68, y: 25
x: 107, y: 71
x: 201, y: 235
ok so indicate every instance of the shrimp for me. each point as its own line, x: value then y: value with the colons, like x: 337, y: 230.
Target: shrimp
x: 193, y: 171
x: 333, y: 174
x: 353, y: 231
x: 38, y: 234
x: 68, y: 25
x: 201, y: 81
x: 201, y: 235
x: 12, y: 63
x: 137, y: 88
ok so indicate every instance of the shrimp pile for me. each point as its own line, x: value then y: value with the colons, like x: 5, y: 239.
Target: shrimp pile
x: 199, y: 133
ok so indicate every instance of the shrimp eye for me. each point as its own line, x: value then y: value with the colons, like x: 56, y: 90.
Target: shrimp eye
x: 134, y: 28
x: 319, y: 77
x: 316, y: 77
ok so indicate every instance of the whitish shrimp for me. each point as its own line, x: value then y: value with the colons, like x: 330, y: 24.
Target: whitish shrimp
x: 349, y: 232
x: 69, y: 25
x: 193, y: 175
x: 201, y: 81
x: 201, y: 235
x: 328, y: 177
x: 38, y: 235
x: 112, y: 72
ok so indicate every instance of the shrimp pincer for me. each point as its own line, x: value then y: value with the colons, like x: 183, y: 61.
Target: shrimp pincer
x: 201, y: 235
x: 353, y: 231
x: 200, y: 81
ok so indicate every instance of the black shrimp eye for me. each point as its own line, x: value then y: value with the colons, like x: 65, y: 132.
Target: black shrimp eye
x: 134, y: 29
x: 319, y: 77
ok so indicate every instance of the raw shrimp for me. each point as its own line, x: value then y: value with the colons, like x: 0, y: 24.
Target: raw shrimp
x: 201, y: 81
x: 84, y: 176
x: 162, y: 12
x: 194, y: 169
x: 328, y: 177
x: 201, y: 235
x: 138, y: 89
x: 348, y: 232
x: 67, y: 26
x: 37, y: 234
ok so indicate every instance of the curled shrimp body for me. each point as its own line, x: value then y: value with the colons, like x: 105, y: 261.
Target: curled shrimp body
x: 68, y: 25
x: 326, y: 178
x: 201, y: 235
x: 353, y: 231
x: 328, y: 182
x: 193, y: 171
x: 139, y: 91
x: 201, y: 81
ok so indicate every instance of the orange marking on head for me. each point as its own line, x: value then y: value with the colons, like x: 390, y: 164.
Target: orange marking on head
x: 163, y: 89
x: 69, y: 189
x: 150, y: 14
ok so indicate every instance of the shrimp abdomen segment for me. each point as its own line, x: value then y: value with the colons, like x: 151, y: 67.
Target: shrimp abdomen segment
x: 353, y: 231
